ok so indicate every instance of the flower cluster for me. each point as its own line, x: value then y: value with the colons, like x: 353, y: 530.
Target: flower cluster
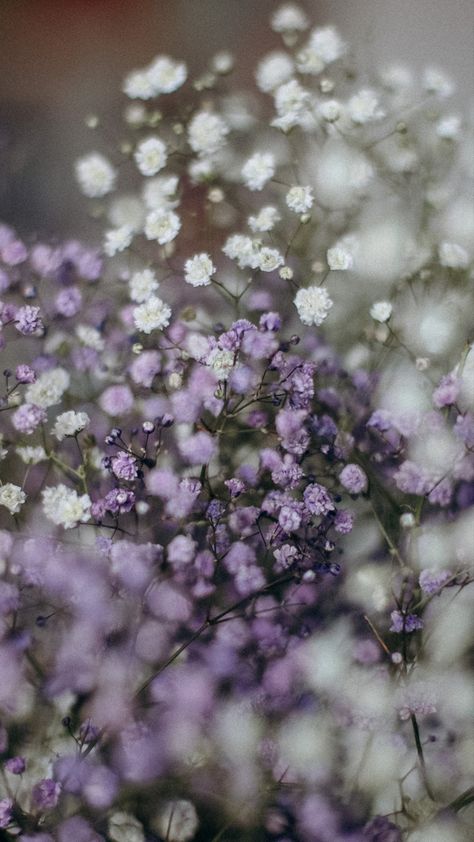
x: 237, y: 516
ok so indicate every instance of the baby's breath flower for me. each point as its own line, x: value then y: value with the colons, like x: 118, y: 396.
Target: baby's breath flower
x: 118, y: 239
x: 221, y: 362
x: 449, y: 127
x: 381, y: 311
x: 153, y: 314
x: 300, y: 199
x: 90, y: 337
x: 273, y: 70
x: 69, y: 423
x: 177, y: 820
x: 313, y: 305
x: 292, y: 105
x: 142, y: 285
x: 330, y: 110
x: 265, y: 220
x: 198, y: 270
x: 258, y: 169
x: 289, y: 18
x: 364, y: 107
x: 31, y: 455
x: 150, y: 156
x: 158, y: 193
x: 166, y: 75
x: 162, y: 225
x: 48, y: 388
x: 326, y: 43
x: 207, y: 133
x: 96, y: 175
x: 12, y: 497
x: 453, y: 256
x: 137, y: 85
x: 64, y: 507
x: 269, y: 259
x: 123, y: 827
x: 436, y: 81
x: 339, y: 258
x: 243, y: 249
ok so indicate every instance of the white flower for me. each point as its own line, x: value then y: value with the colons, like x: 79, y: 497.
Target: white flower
x: 49, y: 388
x: 339, y: 258
x: 243, y: 249
x: 269, y: 260
x: 291, y: 104
x: 289, y: 18
x: 153, y: 314
x: 397, y: 77
x: 221, y: 362
x: 12, y: 497
x: 142, y: 285
x: 95, y: 175
x: 207, y: 133
x: 137, y: 85
x: 69, y: 423
x: 150, y: 156
x: 308, y: 61
x: 327, y: 44
x: 330, y: 110
x: 453, y: 256
x: 273, y: 70
x: 449, y: 127
x: 90, y: 337
x: 64, y: 507
x: 162, y: 225
x: 222, y: 62
x: 118, y: 239
x: 198, y: 270
x: 364, y: 107
x: 201, y: 170
x: 265, y: 219
x: 300, y: 199
x: 123, y: 827
x: 381, y: 311
x: 31, y: 455
x: 158, y: 193
x: 436, y: 81
x: 258, y: 169
x: 312, y: 304
x: 166, y: 75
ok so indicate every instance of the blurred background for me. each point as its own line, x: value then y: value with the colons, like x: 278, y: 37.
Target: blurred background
x: 63, y: 59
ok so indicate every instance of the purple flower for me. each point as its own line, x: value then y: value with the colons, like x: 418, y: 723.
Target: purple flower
x: 117, y: 400
x: 447, y: 392
x: 28, y: 417
x: 344, y: 521
x: 25, y: 374
x: 198, y: 449
x: 6, y: 811
x: 432, y: 581
x: 289, y: 518
x: 68, y: 302
x: 28, y: 320
x: 354, y: 479
x: 318, y: 500
x: 45, y: 794
x: 235, y: 486
x: 124, y: 466
x: 411, y: 479
x: 14, y: 252
x: 145, y: 367
x: 119, y: 501
x: 381, y: 829
x: 270, y: 321
x: 405, y: 622
x: 16, y: 765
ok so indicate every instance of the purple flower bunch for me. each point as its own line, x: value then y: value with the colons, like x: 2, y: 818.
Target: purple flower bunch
x: 237, y: 521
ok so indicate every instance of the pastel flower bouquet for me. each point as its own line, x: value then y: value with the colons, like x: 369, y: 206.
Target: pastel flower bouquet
x: 237, y: 477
